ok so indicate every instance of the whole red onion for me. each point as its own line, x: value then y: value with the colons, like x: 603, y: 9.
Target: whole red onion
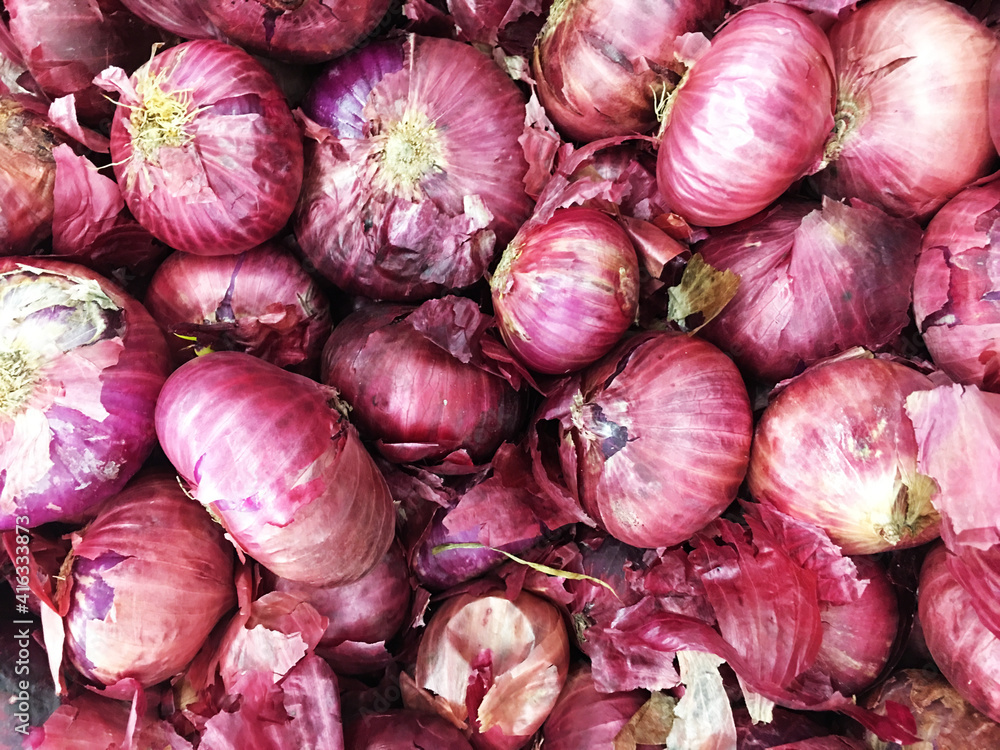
x: 415, y: 204
x: 493, y: 665
x: 205, y: 148
x: 836, y: 448
x: 750, y: 118
x: 965, y: 651
x: 652, y: 440
x: 957, y: 285
x: 186, y: 18
x: 912, y: 115
x: 65, y: 43
x: 403, y: 730
x: 566, y: 290
x: 362, y: 615
x: 261, y: 302
x: 417, y: 382
x: 81, y: 364
x: 144, y: 603
x: 944, y: 719
x: 27, y: 178
x: 815, y: 280
x: 598, y: 79
x: 285, y: 472
x: 858, y: 637
x: 300, y: 31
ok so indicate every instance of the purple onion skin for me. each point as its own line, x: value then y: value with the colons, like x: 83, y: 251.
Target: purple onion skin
x: 337, y: 98
x: 566, y: 291
x: 27, y: 178
x: 815, y: 280
x: 411, y: 396
x: 956, y: 288
x: 403, y: 730
x: 965, y: 651
x: 85, y: 425
x: 786, y: 726
x: 186, y: 18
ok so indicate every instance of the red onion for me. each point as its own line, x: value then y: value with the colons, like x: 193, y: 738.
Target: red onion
x: 27, y: 178
x: 598, y: 78
x: 281, y: 467
x: 750, y: 118
x: 205, y: 149
x: 415, y: 205
x: 186, y: 18
x: 836, y: 448
x: 65, y: 43
x: 784, y: 727
x: 301, y: 31
x: 651, y: 441
x: 418, y: 382
x: 965, y: 651
x: 403, y: 730
x: 260, y: 302
x: 944, y: 719
x: 566, y: 291
x: 956, y: 287
x: 119, y: 569
x: 815, y: 280
x: 362, y: 615
x: 912, y: 120
x: 830, y: 742
x: 81, y: 364
x: 494, y: 666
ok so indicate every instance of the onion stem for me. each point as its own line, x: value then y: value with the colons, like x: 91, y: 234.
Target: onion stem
x: 410, y: 151
x: 18, y: 375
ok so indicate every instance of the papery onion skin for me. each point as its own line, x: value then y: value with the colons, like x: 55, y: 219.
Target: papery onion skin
x: 965, y: 651
x: 413, y: 397
x: 186, y: 18
x: 750, y: 119
x: 205, y: 148
x: 282, y: 468
x: 66, y: 43
x: 653, y: 439
x: 403, y: 730
x: 858, y: 637
x: 300, y: 31
x: 944, y: 718
x: 912, y: 111
x: 517, y: 652
x: 416, y: 206
x: 836, y: 448
x: 143, y: 603
x: 261, y: 302
x: 27, y: 178
x: 598, y: 79
x: 815, y: 280
x: 957, y: 285
x: 566, y: 291
x: 362, y: 615
x: 82, y: 365
x: 785, y: 727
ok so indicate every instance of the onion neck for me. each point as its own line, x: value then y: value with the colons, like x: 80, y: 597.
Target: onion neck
x: 409, y: 150
x: 845, y: 121
x: 18, y: 377
x: 161, y: 118
x: 912, y: 510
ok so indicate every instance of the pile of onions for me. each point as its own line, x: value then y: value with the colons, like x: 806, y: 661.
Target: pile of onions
x: 205, y: 148
x: 414, y: 204
x: 651, y: 441
x: 298, y: 31
x: 598, y: 79
x: 118, y: 569
x: 260, y: 302
x: 815, y: 280
x: 81, y: 365
x: 957, y: 287
x: 750, y: 118
x: 268, y: 451
x: 464, y: 405
x: 836, y: 448
x: 66, y: 43
x: 492, y: 666
x: 566, y: 290
x: 912, y: 115
x: 27, y: 177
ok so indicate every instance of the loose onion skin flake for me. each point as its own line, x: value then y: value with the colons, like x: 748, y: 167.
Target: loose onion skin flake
x: 81, y: 365
x: 281, y: 467
x: 205, y: 148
